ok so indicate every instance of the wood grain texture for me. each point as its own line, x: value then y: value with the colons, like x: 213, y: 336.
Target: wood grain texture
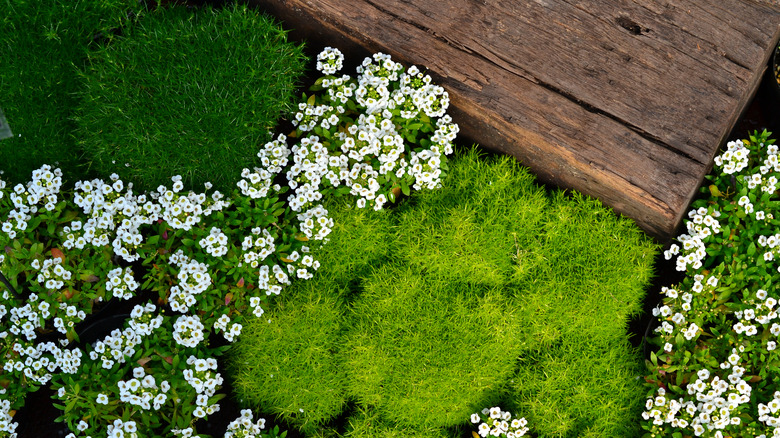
x: 624, y: 100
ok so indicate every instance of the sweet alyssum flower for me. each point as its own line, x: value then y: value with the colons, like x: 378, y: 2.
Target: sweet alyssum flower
x: 497, y: 422
x: 718, y: 326
x: 370, y: 136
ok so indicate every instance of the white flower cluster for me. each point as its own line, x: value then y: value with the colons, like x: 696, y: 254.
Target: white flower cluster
x: 703, y: 223
x: 122, y: 429
x: 767, y: 414
x: 373, y: 91
x: 330, y: 61
x: 114, y: 217
x: 7, y: 425
x: 193, y: 279
x: 121, y: 283
x: 499, y: 423
x: 717, y: 403
x: 272, y: 279
x: 761, y: 313
x: 205, y: 380
x: 116, y: 347
x: 307, y: 261
x: 43, y: 188
x: 188, y: 331
x: 315, y: 223
x: 340, y: 90
x: 215, y: 243
x: 274, y: 155
x: 772, y: 246
x: 310, y: 116
x: 142, y: 390
x: 734, y: 159
x: 311, y: 161
x: 143, y: 321
x: 257, y: 247
x: 677, y: 311
x: 182, y: 212
x: 245, y: 427
x: 231, y: 333
x: 257, y: 184
x: 71, y: 317
x: 38, y: 362
x: 254, y: 303
x: 382, y: 90
x: 24, y: 320
x: 52, y: 274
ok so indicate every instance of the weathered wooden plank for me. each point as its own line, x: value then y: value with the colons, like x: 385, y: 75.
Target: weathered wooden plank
x: 626, y: 100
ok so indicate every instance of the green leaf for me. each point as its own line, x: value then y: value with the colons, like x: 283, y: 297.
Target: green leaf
x: 405, y: 188
x: 188, y: 242
x: 714, y: 191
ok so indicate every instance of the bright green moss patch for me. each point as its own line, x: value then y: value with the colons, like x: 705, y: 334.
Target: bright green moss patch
x: 489, y: 291
x: 580, y: 388
x: 367, y: 423
x: 43, y: 45
x: 427, y: 350
x: 193, y: 93
x: 291, y: 346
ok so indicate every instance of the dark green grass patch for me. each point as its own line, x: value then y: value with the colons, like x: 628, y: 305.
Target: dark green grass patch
x: 193, y: 93
x: 488, y: 292
x: 42, y: 46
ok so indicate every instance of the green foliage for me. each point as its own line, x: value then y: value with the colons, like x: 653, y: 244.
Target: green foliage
x: 596, y: 265
x: 427, y: 350
x: 468, y: 230
x: 488, y: 291
x: 286, y: 364
x: 361, y: 240
x: 42, y: 47
x: 720, y: 322
x: 579, y: 388
x: 187, y: 92
x: 367, y: 423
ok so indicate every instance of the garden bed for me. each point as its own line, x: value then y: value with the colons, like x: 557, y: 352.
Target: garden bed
x: 426, y: 243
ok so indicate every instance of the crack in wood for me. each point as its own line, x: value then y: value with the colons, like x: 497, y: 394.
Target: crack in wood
x: 623, y: 21
x: 631, y: 25
x: 736, y: 61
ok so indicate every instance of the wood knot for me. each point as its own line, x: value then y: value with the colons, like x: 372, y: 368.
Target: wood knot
x: 631, y: 26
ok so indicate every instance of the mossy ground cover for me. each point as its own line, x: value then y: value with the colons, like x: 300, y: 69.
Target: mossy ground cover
x: 175, y: 91
x: 188, y: 92
x: 43, y: 47
x: 489, y: 291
